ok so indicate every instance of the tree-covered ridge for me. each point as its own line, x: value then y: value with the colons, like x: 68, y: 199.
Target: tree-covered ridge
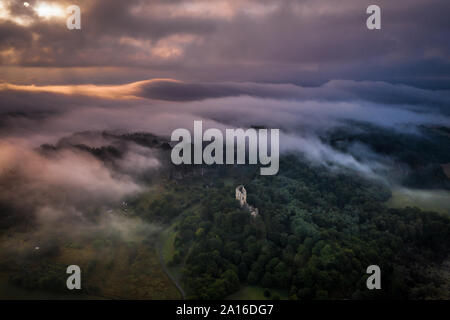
x: 316, y: 234
x: 318, y: 230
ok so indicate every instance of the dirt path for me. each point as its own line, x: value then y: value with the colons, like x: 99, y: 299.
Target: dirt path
x: 167, y: 272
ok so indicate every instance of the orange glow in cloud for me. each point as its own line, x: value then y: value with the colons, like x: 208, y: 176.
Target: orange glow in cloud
x: 130, y: 91
x: 44, y: 10
x: 47, y: 10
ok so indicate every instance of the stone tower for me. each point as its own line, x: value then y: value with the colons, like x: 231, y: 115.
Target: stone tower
x: 241, y: 195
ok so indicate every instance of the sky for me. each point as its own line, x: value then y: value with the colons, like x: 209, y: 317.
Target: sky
x: 307, y: 67
x: 303, y: 42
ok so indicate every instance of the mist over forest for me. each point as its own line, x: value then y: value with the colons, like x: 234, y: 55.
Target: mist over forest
x: 86, y: 176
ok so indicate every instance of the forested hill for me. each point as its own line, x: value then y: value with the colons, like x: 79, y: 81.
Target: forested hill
x: 316, y: 234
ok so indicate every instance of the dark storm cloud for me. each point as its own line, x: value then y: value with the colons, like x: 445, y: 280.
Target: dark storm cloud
x: 305, y: 42
x: 12, y: 35
x: 114, y: 32
x: 116, y: 18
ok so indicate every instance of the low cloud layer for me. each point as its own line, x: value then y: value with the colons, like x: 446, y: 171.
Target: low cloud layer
x: 69, y: 181
x: 35, y: 115
x: 62, y: 158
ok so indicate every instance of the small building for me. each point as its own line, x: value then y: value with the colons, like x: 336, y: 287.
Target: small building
x: 253, y: 211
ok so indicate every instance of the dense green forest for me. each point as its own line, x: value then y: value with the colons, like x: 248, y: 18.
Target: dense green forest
x: 317, y: 231
x: 316, y: 234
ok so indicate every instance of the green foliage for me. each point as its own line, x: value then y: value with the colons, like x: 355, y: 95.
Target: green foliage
x: 315, y: 236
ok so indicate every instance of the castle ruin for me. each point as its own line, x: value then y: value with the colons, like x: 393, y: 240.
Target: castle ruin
x: 241, y: 196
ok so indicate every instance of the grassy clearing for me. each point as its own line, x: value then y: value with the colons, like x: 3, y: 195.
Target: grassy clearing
x: 9, y: 291
x: 168, y: 239
x: 112, y: 267
x: 168, y: 251
x: 256, y: 293
x: 428, y: 200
